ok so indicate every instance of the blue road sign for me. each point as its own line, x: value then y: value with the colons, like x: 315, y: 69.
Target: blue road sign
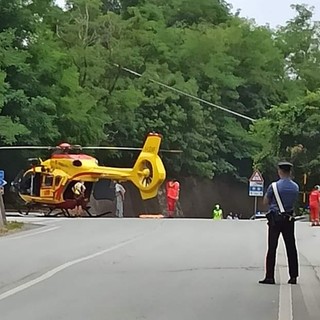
x: 256, y: 184
x: 3, y: 183
x: 255, y: 189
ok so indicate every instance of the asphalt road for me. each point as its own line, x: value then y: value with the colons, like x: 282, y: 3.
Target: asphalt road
x: 98, y: 269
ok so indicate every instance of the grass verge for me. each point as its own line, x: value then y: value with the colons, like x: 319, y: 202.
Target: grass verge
x: 11, y: 226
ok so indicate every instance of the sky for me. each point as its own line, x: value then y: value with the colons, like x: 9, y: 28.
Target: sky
x: 273, y: 12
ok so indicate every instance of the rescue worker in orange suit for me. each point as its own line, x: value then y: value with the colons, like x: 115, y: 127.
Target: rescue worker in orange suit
x: 314, y: 200
x: 173, y: 190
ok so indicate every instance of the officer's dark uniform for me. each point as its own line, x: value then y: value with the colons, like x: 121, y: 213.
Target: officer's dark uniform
x: 282, y: 223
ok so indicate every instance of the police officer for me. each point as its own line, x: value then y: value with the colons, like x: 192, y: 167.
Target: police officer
x: 281, y: 222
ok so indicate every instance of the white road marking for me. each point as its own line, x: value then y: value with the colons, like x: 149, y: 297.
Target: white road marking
x: 60, y: 268
x: 310, y: 289
x: 37, y: 219
x: 31, y: 234
x: 285, y: 295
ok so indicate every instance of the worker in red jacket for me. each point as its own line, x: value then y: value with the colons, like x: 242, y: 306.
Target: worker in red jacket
x: 173, y: 190
x: 314, y: 200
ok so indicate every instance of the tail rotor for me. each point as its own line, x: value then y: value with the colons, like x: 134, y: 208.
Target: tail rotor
x: 149, y: 173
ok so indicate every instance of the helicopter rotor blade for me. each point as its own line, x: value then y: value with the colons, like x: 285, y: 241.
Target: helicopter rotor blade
x: 128, y: 149
x: 78, y: 147
x: 112, y: 148
x: 25, y: 147
x: 171, y: 151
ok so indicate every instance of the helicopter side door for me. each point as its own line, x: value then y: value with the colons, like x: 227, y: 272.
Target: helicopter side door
x: 47, y: 186
x: 28, y: 184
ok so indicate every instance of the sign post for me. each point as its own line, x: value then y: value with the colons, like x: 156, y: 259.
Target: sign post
x: 3, y: 219
x: 256, y: 184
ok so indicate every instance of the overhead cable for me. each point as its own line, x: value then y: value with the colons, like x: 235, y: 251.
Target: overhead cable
x: 189, y: 95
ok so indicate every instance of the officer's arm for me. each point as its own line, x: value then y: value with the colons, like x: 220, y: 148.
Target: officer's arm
x: 268, y: 196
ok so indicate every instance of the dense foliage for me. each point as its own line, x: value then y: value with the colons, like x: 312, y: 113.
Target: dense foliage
x: 59, y: 80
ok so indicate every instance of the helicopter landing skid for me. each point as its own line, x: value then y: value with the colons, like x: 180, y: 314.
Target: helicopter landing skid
x: 90, y: 215
x: 33, y: 208
x: 52, y: 211
x: 24, y: 212
x: 67, y: 213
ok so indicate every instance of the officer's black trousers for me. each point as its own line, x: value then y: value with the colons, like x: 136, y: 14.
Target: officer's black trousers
x: 285, y: 227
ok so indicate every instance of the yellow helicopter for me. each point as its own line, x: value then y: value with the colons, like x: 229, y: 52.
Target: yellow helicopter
x: 49, y: 183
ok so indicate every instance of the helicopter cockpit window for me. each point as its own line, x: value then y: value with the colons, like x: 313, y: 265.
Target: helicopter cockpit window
x: 57, y: 181
x: 25, y: 183
x: 48, y: 181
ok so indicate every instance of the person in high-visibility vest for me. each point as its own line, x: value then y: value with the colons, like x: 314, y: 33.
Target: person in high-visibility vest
x: 173, y: 192
x: 314, y: 201
x: 217, y: 213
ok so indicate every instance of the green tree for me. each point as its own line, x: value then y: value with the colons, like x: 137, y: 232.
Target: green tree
x: 291, y: 131
x: 299, y: 42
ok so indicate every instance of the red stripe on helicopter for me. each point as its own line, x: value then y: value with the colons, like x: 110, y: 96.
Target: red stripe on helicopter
x: 72, y: 156
x: 58, y: 192
x: 85, y: 174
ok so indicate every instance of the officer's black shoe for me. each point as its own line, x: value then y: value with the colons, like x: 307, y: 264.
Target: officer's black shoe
x: 267, y: 281
x: 292, y: 281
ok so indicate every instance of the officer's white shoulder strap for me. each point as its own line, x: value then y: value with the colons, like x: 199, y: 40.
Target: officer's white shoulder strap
x: 277, y: 196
